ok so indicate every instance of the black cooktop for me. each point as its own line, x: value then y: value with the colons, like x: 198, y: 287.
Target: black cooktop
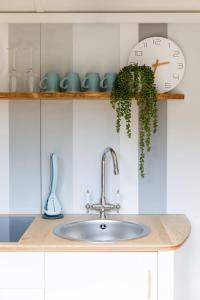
x: 13, y: 227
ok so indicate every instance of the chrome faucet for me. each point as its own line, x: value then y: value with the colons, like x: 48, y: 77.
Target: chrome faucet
x: 103, y: 206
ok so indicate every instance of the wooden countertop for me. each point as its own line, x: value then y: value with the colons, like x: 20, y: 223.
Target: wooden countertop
x: 168, y: 232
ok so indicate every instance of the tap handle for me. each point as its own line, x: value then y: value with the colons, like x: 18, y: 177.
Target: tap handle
x: 87, y: 206
x: 88, y: 198
x: 117, y: 207
x: 117, y: 201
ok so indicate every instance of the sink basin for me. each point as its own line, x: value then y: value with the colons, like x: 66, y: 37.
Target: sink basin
x: 101, y: 230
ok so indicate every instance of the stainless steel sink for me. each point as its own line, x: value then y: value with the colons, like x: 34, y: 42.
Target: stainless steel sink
x: 101, y: 230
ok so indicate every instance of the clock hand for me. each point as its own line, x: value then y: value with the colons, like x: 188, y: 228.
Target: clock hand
x: 157, y: 64
x: 154, y: 66
x: 163, y: 63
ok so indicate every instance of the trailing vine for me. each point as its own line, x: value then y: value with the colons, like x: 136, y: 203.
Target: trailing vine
x: 136, y: 82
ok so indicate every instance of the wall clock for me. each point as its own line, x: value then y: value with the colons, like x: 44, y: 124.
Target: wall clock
x: 165, y: 58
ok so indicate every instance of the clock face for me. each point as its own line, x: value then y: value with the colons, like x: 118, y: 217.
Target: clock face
x: 164, y: 57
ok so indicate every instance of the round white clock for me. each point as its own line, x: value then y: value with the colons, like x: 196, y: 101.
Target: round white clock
x: 164, y: 57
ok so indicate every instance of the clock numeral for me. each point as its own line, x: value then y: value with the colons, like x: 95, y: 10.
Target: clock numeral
x: 176, y: 77
x: 157, y: 42
x: 176, y: 53
x: 180, y: 66
x: 168, y: 85
x: 145, y: 44
x: 169, y: 44
x: 138, y: 53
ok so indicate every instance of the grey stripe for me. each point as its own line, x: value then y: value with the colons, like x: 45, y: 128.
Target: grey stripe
x: 152, y: 189
x: 149, y: 30
x: 24, y: 123
x: 24, y: 126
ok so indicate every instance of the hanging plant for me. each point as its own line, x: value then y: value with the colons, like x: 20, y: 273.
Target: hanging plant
x: 136, y: 82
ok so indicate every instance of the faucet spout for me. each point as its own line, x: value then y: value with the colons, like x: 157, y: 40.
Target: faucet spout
x: 114, y: 159
x: 103, y: 205
x: 116, y: 172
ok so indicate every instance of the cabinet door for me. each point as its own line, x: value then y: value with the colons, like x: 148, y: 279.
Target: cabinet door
x: 89, y: 276
x: 21, y: 270
x: 18, y: 294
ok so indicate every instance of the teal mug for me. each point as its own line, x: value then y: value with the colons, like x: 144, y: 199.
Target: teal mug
x: 50, y: 82
x: 107, y: 81
x: 91, y: 82
x: 71, y: 82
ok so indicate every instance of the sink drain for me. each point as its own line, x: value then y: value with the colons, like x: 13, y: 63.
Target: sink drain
x: 103, y: 226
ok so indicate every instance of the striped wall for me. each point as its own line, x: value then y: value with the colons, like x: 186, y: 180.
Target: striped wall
x: 77, y: 131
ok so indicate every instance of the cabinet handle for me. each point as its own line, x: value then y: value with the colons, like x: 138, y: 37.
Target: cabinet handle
x: 149, y: 285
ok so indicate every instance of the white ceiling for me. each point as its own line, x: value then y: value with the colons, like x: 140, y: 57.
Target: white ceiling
x: 98, y: 5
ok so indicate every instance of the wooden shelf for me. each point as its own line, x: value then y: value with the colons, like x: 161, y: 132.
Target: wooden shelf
x: 75, y: 95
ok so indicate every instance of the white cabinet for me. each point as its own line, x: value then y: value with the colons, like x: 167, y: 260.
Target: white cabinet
x: 19, y: 294
x: 21, y: 270
x: 21, y: 276
x: 87, y: 276
x: 101, y: 275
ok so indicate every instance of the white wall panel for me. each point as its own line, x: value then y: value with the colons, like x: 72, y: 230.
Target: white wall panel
x: 56, y: 136
x: 56, y: 48
x: 93, y: 131
x: 4, y: 122
x: 183, y: 159
x: 95, y: 48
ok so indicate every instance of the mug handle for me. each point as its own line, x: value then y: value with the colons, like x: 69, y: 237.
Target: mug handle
x: 43, y: 83
x: 63, y: 83
x: 84, y: 83
x: 102, y: 83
